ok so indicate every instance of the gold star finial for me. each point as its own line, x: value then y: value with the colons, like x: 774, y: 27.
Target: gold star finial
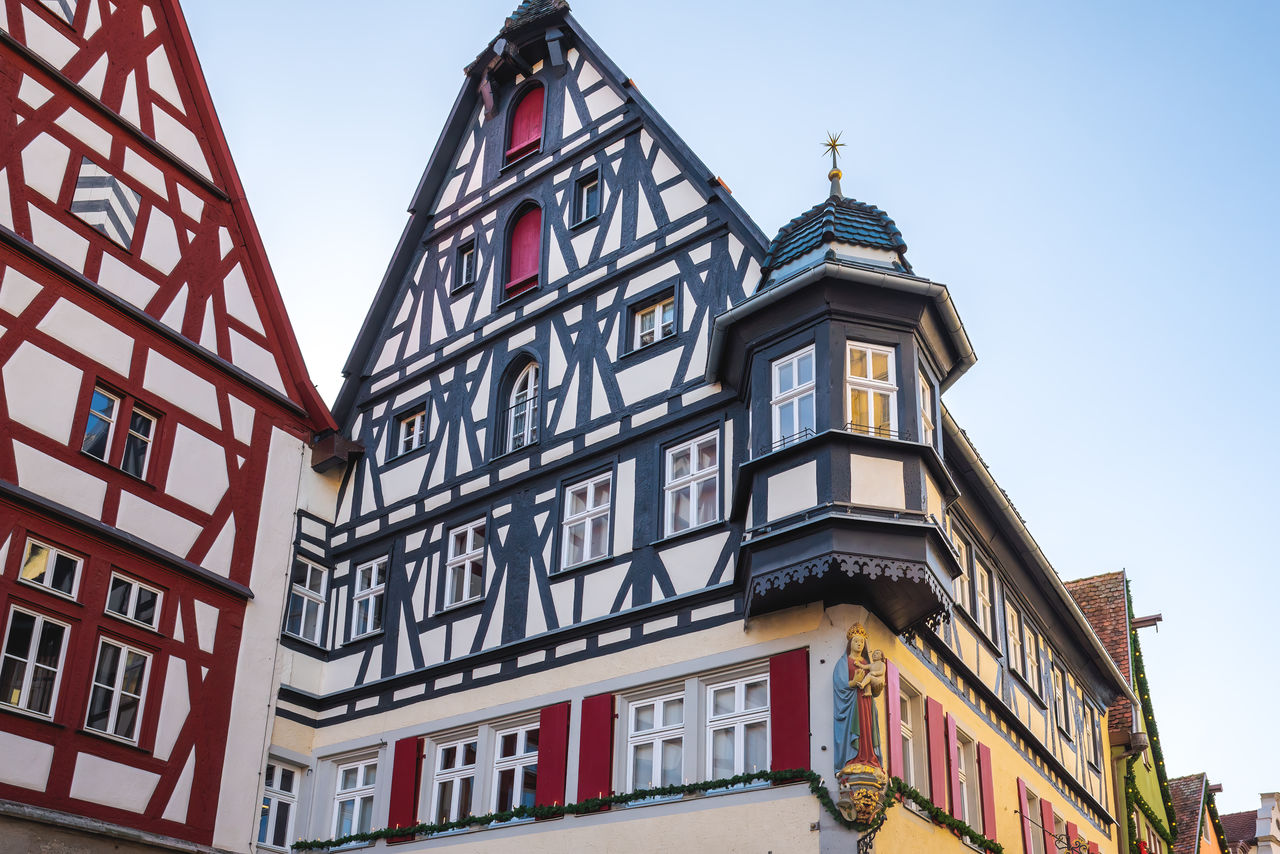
x: 833, y: 145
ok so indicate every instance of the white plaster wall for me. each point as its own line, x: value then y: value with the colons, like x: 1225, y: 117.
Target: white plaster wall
x: 87, y: 334
x: 877, y: 482
x: 26, y: 762
x: 41, y: 390
x: 792, y: 491
x: 197, y: 470
x: 112, y: 784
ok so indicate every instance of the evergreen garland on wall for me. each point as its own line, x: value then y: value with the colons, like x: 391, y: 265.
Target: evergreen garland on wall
x: 1170, y: 833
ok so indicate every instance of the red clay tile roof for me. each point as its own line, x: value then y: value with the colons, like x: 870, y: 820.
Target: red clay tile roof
x: 1101, y: 598
x: 1188, y: 804
x: 1239, y: 826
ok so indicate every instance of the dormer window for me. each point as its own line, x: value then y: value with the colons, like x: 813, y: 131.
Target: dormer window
x: 872, y: 390
x: 524, y: 251
x: 524, y: 134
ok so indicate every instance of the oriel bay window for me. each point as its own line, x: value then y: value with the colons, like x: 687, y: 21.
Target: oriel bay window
x: 31, y: 662
x: 119, y: 685
x: 305, y: 617
x: 692, y: 484
x: 872, y: 390
x: 119, y: 432
x: 586, y: 520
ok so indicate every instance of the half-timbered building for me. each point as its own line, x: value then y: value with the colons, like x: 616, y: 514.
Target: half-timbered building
x: 155, y: 425
x: 643, y: 492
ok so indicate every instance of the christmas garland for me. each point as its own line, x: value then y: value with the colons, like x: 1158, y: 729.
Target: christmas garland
x: 896, y: 790
x: 1170, y: 833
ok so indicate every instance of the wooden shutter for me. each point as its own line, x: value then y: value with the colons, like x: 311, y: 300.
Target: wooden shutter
x: 1028, y: 841
x: 937, y: 753
x: 893, y: 702
x: 1072, y: 834
x: 987, y: 792
x: 789, y: 710
x: 406, y: 780
x: 953, y: 756
x: 524, y: 257
x: 1093, y: 848
x: 595, y: 748
x: 526, y: 124
x: 1047, y: 825
x: 553, y: 754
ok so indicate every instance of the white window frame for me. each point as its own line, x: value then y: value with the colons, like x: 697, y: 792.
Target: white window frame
x: 655, y: 737
x: 362, y: 795
x: 473, y: 554
x: 524, y: 397
x: 468, y: 264
x: 1013, y: 638
x: 928, y: 420
x: 690, y: 484
x: 1061, y: 705
x: 116, y: 690
x: 914, y: 739
x: 738, y: 720
x: 123, y: 409
x: 131, y: 602
x: 984, y: 595
x: 662, y: 328
x: 1034, y: 672
x: 28, y: 662
x: 112, y: 420
x: 310, y: 598
x: 518, y: 762
x: 371, y: 591
x: 276, y: 797
x: 870, y: 386
x: 580, y: 188
x: 964, y: 593
x: 411, y: 431
x: 134, y: 436
x: 966, y: 770
x: 454, y: 775
x: 793, y: 431
x: 1094, y: 754
x: 52, y: 553
x: 1037, y: 836
x: 590, y: 516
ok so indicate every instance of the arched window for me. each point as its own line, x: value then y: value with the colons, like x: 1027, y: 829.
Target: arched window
x: 522, y: 409
x: 524, y: 251
x: 524, y: 130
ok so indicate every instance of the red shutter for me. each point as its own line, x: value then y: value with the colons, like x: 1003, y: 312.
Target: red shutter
x: 1093, y: 848
x: 553, y: 754
x: 893, y: 700
x: 526, y: 124
x: 937, y: 753
x: 1028, y: 841
x: 1072, y: 834
x: 987, y: 792
x: 595, y: 748
x: 953, y: 756
x: 1047, y: 825
x: 406, y: 777
x: 789, y: 710
x: 524, y: 260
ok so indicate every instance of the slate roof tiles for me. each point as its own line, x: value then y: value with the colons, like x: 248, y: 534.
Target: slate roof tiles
x: 838, y: 219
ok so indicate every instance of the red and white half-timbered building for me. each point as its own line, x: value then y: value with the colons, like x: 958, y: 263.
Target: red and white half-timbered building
x: 156, y: 436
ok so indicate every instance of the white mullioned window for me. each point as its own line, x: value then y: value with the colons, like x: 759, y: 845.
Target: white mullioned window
x: 119, y: 686
x: 515, y: 768
x: 464, y: 570
x: 366, y: 599
x: 353, y: 800
x: 962, y: 586
x: 1061, y: 701
x: 101, y: 426
x: 693, y: 483
x: 411, y: 431
x: 1013, y: 637
x: 586, y: 201
x: 793, y: 396
x: 1031, y: 649
x: 106, y: 410
x: 655, y: 322
x: 655, y: 742
x: 984, y: 612
x: 137, y: 444
x: 466, y: 274
x: 1095, y: 735
x: 586, y: 520
x: 454, y: 781
x: 31, y: 662
x: 738, y: 727
x: 966, y: 769
x: 912, y: 733
x: 872, y: 390
x: 279, y: 798
x: 133, y: 600
x: 928, y: 420
x: 52, y: 568
x: 522, y: 409
x: 307, y: 592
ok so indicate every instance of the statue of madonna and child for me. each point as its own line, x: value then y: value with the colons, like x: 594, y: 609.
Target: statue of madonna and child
x: 859, y: 678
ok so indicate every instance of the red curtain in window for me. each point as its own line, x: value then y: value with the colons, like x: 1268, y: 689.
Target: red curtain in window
x: 1047, y: 825
x: 525, y: 251
x: 937, y: 753
x: 406, y: 778
x: 789, y: 710
x: 893, y: 700
x: 1028, y: 841
x: 953, y: 757
x: 986, y: 792
x: 553, y: 754
x: 595, y: 748
x: 526, y: 124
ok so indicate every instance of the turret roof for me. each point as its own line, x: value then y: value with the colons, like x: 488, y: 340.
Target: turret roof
x: 838, y: 219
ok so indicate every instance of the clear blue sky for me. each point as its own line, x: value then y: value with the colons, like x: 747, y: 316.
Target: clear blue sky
x: 1094, y: 181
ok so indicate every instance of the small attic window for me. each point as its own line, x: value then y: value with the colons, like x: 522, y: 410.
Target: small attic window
x: 524, y: 133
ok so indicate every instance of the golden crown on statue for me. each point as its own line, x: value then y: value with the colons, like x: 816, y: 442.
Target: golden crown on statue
x: 856, y: 629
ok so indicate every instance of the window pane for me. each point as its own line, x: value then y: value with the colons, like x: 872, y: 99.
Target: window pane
x: 263, y: 818
x: 469, y: 753
x: 444, y: 801
x: 464, y: 796
x: 880, y: 366
x: 599, y: 536
x: 33, y: 567
x: 50, y: 647
x: 95, y: 437
x: 126, y: 716
x: 144, y: 611
x: 707, y: 501
x: 600, y: 493
x: 642, y: 718
x: 577, y: 500
x: 755, y: 747
x: 135, y: 455
x: 286, y: 780
x: 41, y: 697
x: 576, y: 543
x: 707, y: 455
x: 531, y: 741
x: 118, y: 597
x: 858, y: 413
x: 108, y: 658
x: 672, y: 761
x: 506, y: 782
x: 350, y: 778
x: 672, y: 712
x: 134, y: 669
x: 882, y: 414
x: 508, y: 745
x: 456, y: 578
x: 722, y: 753
x: 642, y: 766
x: 476, y: 578
x: 679, y: 463
x: 346, y: 814
x: 857, y: 363
x: 21, y: 626
x: 787, y: 419
x: 805, y: 421
x: 528, y: 785
x: 757, y: 695
x: 64, y: 573
x: 12, y: 672
x: 804, y: 369
x: 784, y: 377
x: 280, y: 838
x: 722, y: 701
x: 99, y: 708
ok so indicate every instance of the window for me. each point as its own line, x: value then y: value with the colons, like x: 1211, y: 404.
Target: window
x: 32, y: 659
x: 655, y: 742
x: 524, y: 134
x: 411, y: 431
x: 915, y: 756
x: 693, y: 484
x: 305, y: 618
x: 1031, y: 649
x: 515, y: 768
x: 586, y: 520
x: 465, y: 274
x: 738, y: 727
x: 1094, y: 746
x: 522, y: 410
x: 793, y: 396
x: 961, y: 584
x: 966, y: 770
x: 366, y: 601
x: 464, y: 572
x: 130, y: 452
x: 279, y: 794
x: 455, y: 780
x: 524, y: 252
x: 983, y: 613
x: 1061, y: 701
x: 1013, y: 637
x: 871, y: 389
x: 353, y: 802
x: 586, y: 197
x: 927, y: 419
x: 655, y: 322
x: 133, y: 600
x: 50, y: 567
x: 119, y: 684
x: 1033, y: 816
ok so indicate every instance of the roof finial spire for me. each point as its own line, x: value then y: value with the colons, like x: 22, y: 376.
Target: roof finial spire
x: 833, y: 145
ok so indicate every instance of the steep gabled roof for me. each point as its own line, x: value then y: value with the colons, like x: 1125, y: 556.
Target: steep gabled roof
x: 1102, y: 599
x: 1240, y: 826
x: 1194, y: 803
